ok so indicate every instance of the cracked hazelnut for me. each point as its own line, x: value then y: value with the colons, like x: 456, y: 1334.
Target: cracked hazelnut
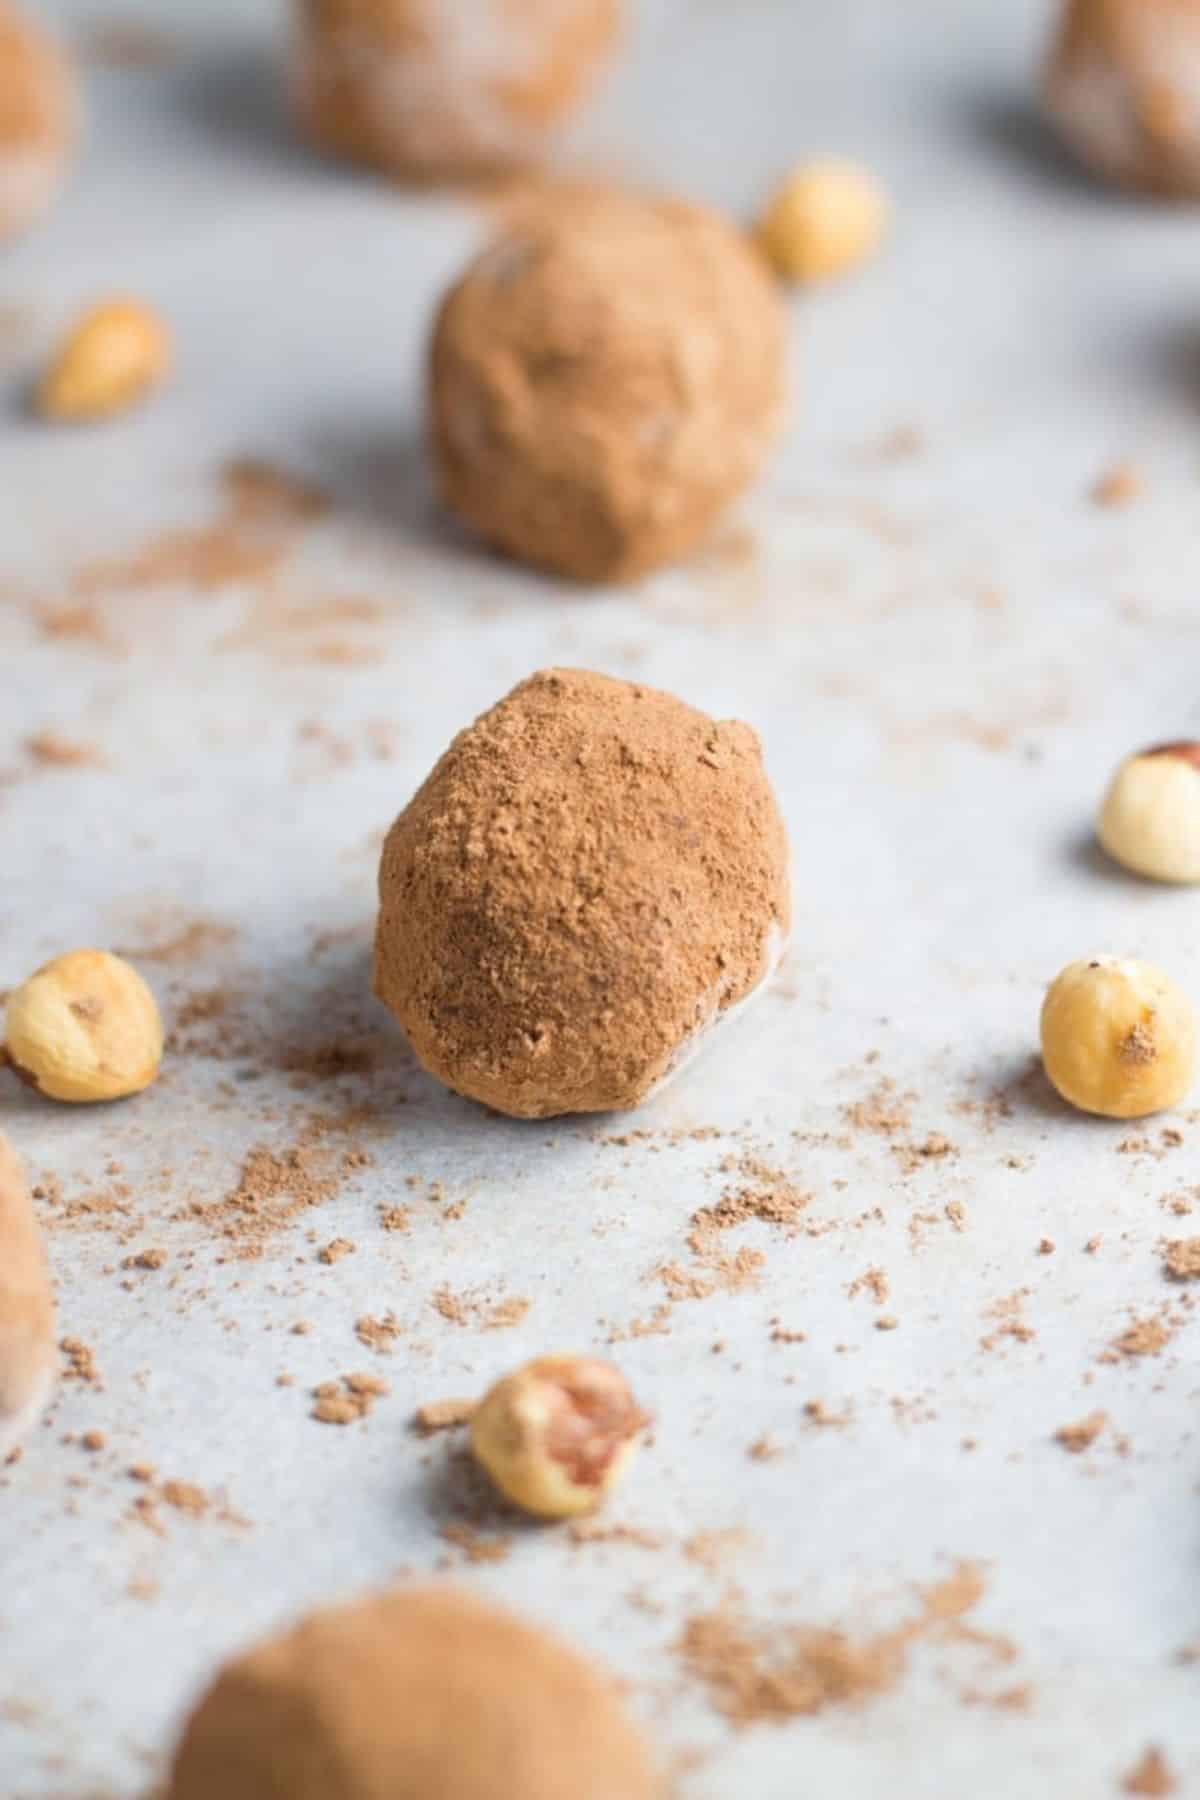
x: 827, y: 218
x: 1150, y: 819
x: 85, y: 1027
x: 1118, y: 1038
x: 557, y: 1435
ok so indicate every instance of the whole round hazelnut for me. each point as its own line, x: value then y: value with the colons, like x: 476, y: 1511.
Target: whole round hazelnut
x: 557, y: 1435
x: 432, y: 88
x: 85, y: 1027
x: 826, y: 219
x: 1118, y: 1038
x: 1123, y: 86
x: 604, y: 380
x: 1150, y: 818
x: 406, y: 1696
x: 38, y: 110
x: 592, y: 876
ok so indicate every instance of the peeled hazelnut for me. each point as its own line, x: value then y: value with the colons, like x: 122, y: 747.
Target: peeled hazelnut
x: 37, y: 119
x: 112, y: 357
x: 421, y: 1694
x: 1123, y: 86
x: 1118, y: 1038
x: 429, y: 88
x: 557, y: 1435
x: 827, y: 218
x: 85, y: 1027
x: 1150, y: 819
x: 27, y: 1356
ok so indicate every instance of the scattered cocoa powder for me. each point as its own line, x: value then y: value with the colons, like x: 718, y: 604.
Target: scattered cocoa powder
x: 81, y: 1361
x: 1118, y: 485
x: 1145, y: 1337
x: 884, y: 1111
x: 145, y: 1259
x: 342, y: 1403
x: 442, y: 1415
x: 755, y: 1674
x: 468, y: 1309
x: 52, y: 750
x: 378, y: 1334
x: 334, y: 1251
x: 475, y: 1546
x: 1150, y: 1776
x: 1083, y: 1434
x: 1182, y: 1259
x: 273, y: 1188
x: 186, y: 1497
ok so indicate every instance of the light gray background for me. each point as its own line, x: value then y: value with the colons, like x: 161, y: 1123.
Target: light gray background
x: 944, y: 653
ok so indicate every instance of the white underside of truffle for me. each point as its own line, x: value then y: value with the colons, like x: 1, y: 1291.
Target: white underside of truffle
x: 28, y: 182
x: 714, y: 1016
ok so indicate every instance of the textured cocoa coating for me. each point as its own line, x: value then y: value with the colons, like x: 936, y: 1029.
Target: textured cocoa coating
x: 1123, y: 84
x: 590, y: 875
x: 604, y: 380
x: 37, y: 118
x: 434, y: 89
x: 426, y: 1694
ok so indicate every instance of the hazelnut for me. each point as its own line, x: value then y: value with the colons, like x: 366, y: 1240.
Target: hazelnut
x: 26, y: 1308
x: 1123, y: 88
x: 112, y: 357
x: 826, y: 218
x: 410, y: 1695
x: 445, y: 89
x: 38, y: 108
x: 85, y: 1027
x: 1150, y: 819
x: 1118, y: 1038
x: 556, y: 1435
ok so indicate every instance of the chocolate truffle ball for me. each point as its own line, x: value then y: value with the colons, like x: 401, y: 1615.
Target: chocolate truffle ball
x: 411, y: 1695
x: 604, y: 380
x: 1123, y: 86
x: 593, y: 874
x: 37, y: 120
x: 428, y: 88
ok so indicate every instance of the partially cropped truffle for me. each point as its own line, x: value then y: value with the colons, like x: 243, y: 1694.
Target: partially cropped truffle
x: 1123, y: 86
x: 26, y: 1308
x: 37, y: 120
x: 604, y: 380
x: 412, y: 1695
x: 593, y: 875
x: 429, y: 88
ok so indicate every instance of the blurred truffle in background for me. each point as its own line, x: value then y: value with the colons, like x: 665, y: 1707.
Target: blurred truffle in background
x: 604, y: 381
x: 1123, y: 86
x: 429, y: 89
x: 38, y: 111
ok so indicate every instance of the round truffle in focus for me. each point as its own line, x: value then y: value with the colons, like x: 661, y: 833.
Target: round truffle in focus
x: 1123, y: 86
x: 408, y: 1696
x: 37, y: 120
x: 605, y: 379
x: 593, y: 874
x: 429, y: 88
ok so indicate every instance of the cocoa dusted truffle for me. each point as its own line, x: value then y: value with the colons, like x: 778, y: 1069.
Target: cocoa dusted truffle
x: 37, y: 120
x: 428, y: 88
x: 604, y: 380
x: 593, y: 874
x: 407, y: 1696
x: 1123, y: 86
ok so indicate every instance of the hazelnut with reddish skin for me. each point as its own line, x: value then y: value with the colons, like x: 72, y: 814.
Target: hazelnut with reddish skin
x: 1150, y: 817
x: 557, y: 1435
